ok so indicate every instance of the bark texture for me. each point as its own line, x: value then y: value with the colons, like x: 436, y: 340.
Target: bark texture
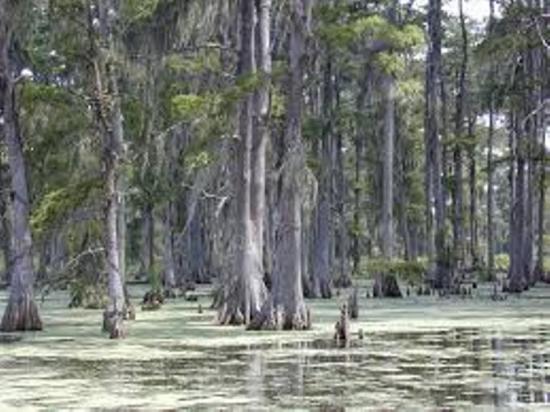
x: 21, y: 313
x: 435, y: 196
x: 109, y: 119
x: 286, y: 308
x: 245, y: 294
x: 322, y: 240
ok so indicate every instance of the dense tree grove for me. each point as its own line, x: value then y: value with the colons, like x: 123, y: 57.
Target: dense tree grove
x: 279, y: 150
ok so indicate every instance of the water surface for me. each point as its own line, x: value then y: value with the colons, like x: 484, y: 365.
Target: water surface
x: 418, y: 353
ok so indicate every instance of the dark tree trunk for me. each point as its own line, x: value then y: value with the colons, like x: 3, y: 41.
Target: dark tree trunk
x: 490, y: 168
x: 490, y: 193
x: 386, y: 286
x: 357, y: 190
x: 473, y: 220
x: 458, y: 215
x: 321, y: 276
x: 434, y: 189
x: 544, y: 125
x: 148, y: 241
x: 5, y: 226
x: 516, y: 275
x: 21, y: 313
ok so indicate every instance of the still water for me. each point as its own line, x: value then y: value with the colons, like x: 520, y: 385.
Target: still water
x: 417, y: 353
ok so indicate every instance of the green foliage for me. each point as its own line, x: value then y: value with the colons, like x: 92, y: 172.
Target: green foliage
x: 35, y: 94
x: 342, y: 29
x: 502, y: 262
x: 189, y: 106
x: 136, y: 10
x: 408, y: 271
x: 57, y: 204
x: 205, y: 61
x: 312, y: 128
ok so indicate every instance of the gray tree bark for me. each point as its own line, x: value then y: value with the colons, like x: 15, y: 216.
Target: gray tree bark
x: 321, y: 276
x: 261, y: 123
x: 21, y: 313
x: 344, y: 278
x: 168, y: 251
x: 5, y: 225
x: 286, y: 309
x: 385, y: 284
x: 434, y: 188
x: 387, y: 172
x: 458, y: 215
x: 516, y: 275
x: 473, y: 219
x: 246, y: 294
x: 109, y: 118
x: 490, y: 167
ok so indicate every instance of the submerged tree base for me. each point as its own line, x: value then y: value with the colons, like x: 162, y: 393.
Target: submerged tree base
x: 277, y: 317
x: 386, y: 286
x: 113, y: 324
x: 342, y: 331
x: 21, y: 315
x: 515, y: 286
x: 353, y: 303
x: 152, y: 300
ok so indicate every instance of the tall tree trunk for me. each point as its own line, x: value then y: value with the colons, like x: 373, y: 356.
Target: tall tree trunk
x: 516, y: 275
x: 168, y: 251
x: 344, y: 279
x: 5, y: 226
x: 490, y: 168
x: 473, y: 220
x: 458, y: 218
x: 246, y: 294
x: 109, y: 118
x: 544, y: 101
x: 385, y: 284
x: 387, y: 172
x: 434, y: 189
x: 287, y: 308
x: 121, y: 215
x: 357, y: 185
x: 490, y: 193
x: 261, y: 123
x: 148, y: 234
x: 21, y: 313
x: 321, y: 282
x: 540, y: 274
x: 530, y: 177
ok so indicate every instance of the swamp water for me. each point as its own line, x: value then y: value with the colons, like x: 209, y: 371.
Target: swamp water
x: 417, y: 353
